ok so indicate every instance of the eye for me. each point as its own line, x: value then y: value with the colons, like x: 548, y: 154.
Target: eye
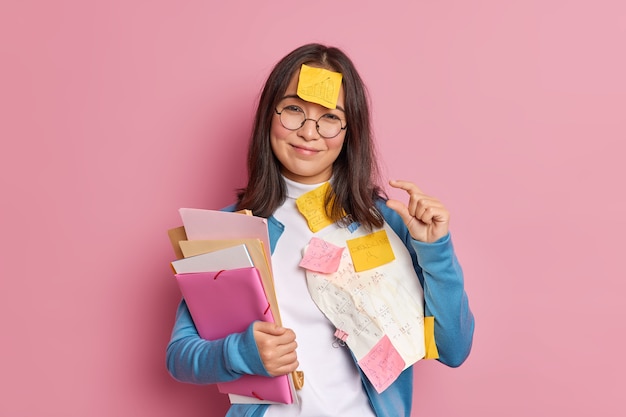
x: 331, y: 117
x: 293, y: 109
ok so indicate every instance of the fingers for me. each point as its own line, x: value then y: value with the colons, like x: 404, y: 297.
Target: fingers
x: 415, y: 196
x: 268, y: 328
x: 401, y: 209
x: 425, y: 217
x: 277, y: 348
x: 407, y: 186
x: 427, y: 209
x: 420, y: 206
x: 423, y: 209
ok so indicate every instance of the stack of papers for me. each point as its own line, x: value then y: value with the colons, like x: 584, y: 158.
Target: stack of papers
x: 224, y: 273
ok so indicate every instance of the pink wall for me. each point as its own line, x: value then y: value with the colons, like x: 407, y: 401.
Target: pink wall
x: 115, y: 114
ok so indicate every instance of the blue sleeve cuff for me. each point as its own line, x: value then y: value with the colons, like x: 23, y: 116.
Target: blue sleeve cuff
x: 440, y: 250
x: 243, y: 355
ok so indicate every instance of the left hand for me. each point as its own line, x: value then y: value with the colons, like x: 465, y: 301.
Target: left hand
x: 426, y: 217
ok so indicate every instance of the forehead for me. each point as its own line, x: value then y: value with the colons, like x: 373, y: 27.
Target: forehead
x: 292, y: 89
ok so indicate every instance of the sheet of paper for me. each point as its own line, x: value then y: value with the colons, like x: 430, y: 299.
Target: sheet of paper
x: 384, y: 301
x: 241, y: 399
x: 216, y: 225
x: 322, y: 256
x: 176, y: 235
x: 370, y: 251
x: 227, y: 258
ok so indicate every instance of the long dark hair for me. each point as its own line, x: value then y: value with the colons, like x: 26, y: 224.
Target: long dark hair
x: 355, y: 172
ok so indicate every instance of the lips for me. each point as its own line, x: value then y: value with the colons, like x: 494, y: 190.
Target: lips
x: 305, y: 150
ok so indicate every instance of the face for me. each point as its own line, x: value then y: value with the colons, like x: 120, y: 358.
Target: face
x: 305, y: 156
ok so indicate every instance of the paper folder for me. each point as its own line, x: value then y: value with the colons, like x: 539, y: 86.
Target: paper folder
x: 190, y: 248
x: 225, y: 302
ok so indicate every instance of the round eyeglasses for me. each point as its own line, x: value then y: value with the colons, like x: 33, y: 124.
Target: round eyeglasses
x: 293, y: 118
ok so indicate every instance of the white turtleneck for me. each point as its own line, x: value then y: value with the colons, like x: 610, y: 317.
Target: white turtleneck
x: 332, y: 384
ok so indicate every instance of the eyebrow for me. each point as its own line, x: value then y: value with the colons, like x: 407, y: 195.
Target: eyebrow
x: 298, y: 97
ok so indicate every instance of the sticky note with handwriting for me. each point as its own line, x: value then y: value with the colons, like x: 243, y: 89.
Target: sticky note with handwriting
x: 311, y: 206
x: 382, y: 365
x: 370, y: 251
x: 321, y: 256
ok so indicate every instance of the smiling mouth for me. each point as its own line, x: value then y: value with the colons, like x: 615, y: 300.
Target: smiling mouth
x: 306, y: 150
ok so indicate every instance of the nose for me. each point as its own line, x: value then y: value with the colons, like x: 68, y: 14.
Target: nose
x: 309, y: 131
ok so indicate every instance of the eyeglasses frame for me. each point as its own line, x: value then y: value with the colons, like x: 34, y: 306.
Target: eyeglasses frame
x: 317, y: 126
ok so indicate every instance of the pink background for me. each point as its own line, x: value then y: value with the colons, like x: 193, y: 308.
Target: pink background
x: 116, y: 113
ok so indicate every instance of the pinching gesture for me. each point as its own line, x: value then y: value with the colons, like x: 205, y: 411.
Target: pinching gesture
x: 426, y: 217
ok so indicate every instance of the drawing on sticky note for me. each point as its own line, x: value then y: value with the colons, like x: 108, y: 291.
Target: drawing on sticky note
x: 324, y: 89
x: 370, y: 251
x: 319, y: 85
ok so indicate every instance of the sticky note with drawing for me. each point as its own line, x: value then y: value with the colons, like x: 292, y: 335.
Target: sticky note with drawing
x: 319, y: 85
x: 370, y: 251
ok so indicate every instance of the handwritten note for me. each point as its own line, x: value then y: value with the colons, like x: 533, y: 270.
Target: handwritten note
x: 382, y: 365
x: 370, y: 251
x: 321, y: 256
x: 311, y: 206
x: 386, y: 301
x: 319, y: 85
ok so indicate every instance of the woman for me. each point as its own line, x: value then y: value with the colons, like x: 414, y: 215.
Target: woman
x: 299, y: 143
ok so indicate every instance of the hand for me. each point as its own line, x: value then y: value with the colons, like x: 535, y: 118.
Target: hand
x: 425, y: 217
x: 277, y: 347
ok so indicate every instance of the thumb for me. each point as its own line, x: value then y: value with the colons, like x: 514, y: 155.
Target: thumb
x: 268, y: 328
x: 401, y: 209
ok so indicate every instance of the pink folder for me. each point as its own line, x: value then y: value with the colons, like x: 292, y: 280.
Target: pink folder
x: 227, y: 302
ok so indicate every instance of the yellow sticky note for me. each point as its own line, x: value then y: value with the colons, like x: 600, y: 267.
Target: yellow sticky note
x: 311, y: 206
x: 370, y: 251
x: 319, y: 85
x: 429, y: 338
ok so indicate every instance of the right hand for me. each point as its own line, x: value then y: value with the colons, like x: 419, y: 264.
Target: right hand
x: 277, y: 347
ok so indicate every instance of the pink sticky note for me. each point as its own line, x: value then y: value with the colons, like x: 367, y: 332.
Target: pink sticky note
x: 321, y: 256
x: 382, y: 365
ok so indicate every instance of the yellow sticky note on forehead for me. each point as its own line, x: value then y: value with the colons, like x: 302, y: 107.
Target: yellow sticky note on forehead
x: 319, y: 85
x: 370, y: 251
